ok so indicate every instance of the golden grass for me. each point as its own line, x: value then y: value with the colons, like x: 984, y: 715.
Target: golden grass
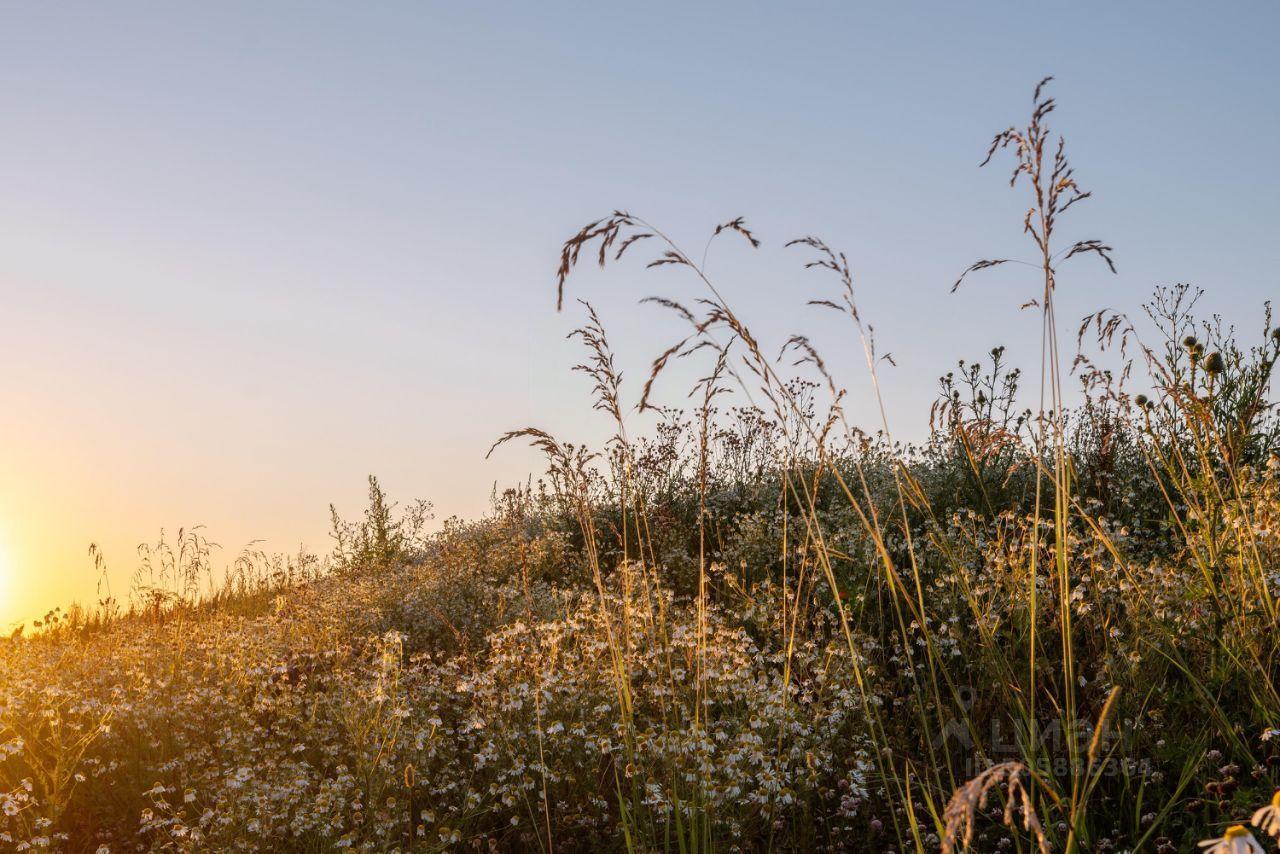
x: 757, y: 625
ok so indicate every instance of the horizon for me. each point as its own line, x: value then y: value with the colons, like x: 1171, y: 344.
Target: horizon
x: 247, y: 260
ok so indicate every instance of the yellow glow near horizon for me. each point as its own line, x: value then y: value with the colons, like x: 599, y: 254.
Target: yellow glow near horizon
x: 14, y: 606
x: 6, y: 584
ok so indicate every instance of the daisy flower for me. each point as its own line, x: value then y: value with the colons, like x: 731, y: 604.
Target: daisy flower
x: 1267, y: 819
x: 1237, y: 840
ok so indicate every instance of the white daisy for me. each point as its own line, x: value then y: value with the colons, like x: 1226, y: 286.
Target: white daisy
x: 1267, y: 819
x: 1237, y: 840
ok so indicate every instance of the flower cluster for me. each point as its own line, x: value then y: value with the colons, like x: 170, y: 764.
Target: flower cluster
x: 321, y: 721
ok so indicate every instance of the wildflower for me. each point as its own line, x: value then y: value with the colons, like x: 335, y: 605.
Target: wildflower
x: 1214, y: 364
x: 1237, y: 840
x: 1267, y: 819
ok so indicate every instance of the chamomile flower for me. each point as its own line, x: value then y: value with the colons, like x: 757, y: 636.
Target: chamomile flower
x: 1267, y: 819
x: 1237, y: 840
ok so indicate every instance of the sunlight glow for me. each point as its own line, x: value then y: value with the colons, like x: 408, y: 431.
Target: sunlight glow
x: 6, y: 587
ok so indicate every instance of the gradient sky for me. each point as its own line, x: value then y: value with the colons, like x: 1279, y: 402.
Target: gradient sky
x: 250, y: 253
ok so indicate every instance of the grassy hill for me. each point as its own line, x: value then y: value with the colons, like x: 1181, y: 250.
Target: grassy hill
x: 758, y: 628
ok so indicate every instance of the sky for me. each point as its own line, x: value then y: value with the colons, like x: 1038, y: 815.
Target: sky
x: 251, y: 253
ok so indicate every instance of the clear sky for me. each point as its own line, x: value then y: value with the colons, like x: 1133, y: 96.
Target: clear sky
x: 250, y: 253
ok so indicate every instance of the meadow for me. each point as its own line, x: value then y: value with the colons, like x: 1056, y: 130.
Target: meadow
x: 759, y: 626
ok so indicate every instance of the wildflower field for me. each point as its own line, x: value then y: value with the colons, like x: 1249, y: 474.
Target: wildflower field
x: 760, y: 626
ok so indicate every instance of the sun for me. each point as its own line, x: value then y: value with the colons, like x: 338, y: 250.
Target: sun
x: 7, y: 609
